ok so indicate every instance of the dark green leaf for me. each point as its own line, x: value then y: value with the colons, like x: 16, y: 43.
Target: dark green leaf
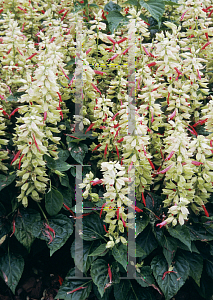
x: 135, y: 250
x: 209, y: 266
x: 53, y: 202
x: 138, y: 293
x: 145, y: 277
x: 99, y: 273
x: 24, y: 223
x: 78, y: 151
x: 106, y: 295
x: 92, y: 228
x: 172, y: 282
x: 120, y: 254
x: 71, y: 62
x: 5, y: 225
x: 61, y: 165
x: 169, y: 248
x: 100, y: 250
x: 64, y: 180
x: 173, y: 2
x: 50, y: 162
x: 93, y: 5
x: 196, y: 265
x: 68, y: 196
x: 121, y: 289
x: 141, y: 221
x: 70, y: 284
x: 147, y: 241
x: 111, y: 6
x: 181, y: 233
x: 197, y: 232
x: 12, y: 267
x: 114, y: 18
x: 63, y: 154
x: 87, y: 260
x: 132, y: 2
x: 155, y: 7
x: 6, y: 180
x: 63, y: 229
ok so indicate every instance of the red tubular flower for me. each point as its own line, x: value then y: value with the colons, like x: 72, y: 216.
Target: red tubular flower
x: 121, y: 140
x: 19, y: 165
x: 1, y: 10
x: 3, y: 111
x: 117, y: 132
x: 117, y: 213
x: 88, y: 129
x: 196, y: 163
x: 63, y: 72
x: 117, y: 151
x: 207, y: 36
x: 36, y: 142
x: 113, y: 57
x: 108, y: 49
x: 99, y: 72
x: 105, y: 151
x: 124, y: 223
x: 136, y: 208
x: 152, y: 64
x: 105, y: 229
x: 122, y: 40
x: 172, y: 115
x: 151, y: 164
x: 183, y: 15
x: 167, y: 272
x: 143, y: 198
x: 96, y: 182
x: 205, y: 210
x: 45, y: 116
x: 200, y: 122
x: 61, y: 11
x: 211, y: 143
x: 194, y: 131
x: 110, y: 274
x: 198, y: 74
x: 146, y: 51
x: 102, y: 207
x: 13, y: 112
x: 64, y: 15
x: 165, y: 170
x: 113, y: 41
x: 31, y: 56
x: 50, y: 229
x: 95, y: 87
x: 170, y: 156
x: 96, y: 147
x: 125, y: 51
x: 52, y: 39
x: 130, y: 166
x: 75, y: 290
x: 113, y: 118
x: 161, y: 224
x: 16, y: 156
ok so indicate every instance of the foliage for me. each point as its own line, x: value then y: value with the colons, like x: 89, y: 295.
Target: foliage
x: 156, y: 55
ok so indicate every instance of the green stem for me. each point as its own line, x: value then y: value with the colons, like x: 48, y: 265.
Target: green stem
x: 42, y: 212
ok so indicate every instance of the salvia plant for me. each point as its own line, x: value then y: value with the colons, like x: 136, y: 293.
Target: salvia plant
x: 143, y: 73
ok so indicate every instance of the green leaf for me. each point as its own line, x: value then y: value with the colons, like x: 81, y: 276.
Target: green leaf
x: 94, y: 5
x: 169, y: 248
x: 155, y: 7
x: 132, y: 2
x: 114, y: 18
x: 196, y: 265
x: 24, y: 223
x: 71, y: 62
x: 111, y: 6
x: 99, y: 274
x: 5, y: 225
x: 78, y: 6
x: 120, y: 254
x: 12, y: 267
x: 145, y: 277
x: 61, y: 165
x: 138, y: 293
x: 64, y: 180
x: 197, y: 232
x: 174, y: 2
x: 63, y: 229
x: 209, y: 266
x: 147, y: 241
x: 135, y: 250
x: 63, y: 154
x: 50, y: 162
x: 121, y: 289
x: 100, y: 250
x: 172, y: 282
x: 78, y: 151
x: 70, y: 284
x: 68, y: 196
x: 6, y: 180
x: 182, y: 234
x: 141, y: 222
x: 92, y: 228
x: 53, y: 202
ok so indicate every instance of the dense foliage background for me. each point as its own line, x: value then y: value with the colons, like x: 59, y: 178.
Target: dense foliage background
x: 170, y: 149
